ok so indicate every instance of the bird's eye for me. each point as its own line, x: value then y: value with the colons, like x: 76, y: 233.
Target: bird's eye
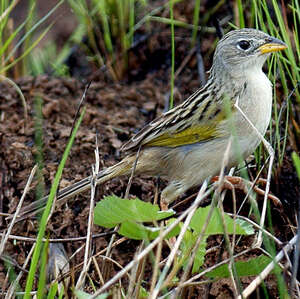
x: 244, y: 45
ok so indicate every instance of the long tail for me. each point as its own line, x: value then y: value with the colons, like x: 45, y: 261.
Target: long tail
x: 122, y: 168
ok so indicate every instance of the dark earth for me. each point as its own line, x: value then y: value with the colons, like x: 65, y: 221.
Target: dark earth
x: 114, y: 112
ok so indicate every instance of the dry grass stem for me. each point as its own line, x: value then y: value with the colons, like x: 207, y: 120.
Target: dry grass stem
x: 230, y: 247
x: 98, y: 270
x: 294, y: 282
x: 136, y: 275
x: 132, y: 173
x: 58, y: 240
x: 12, y: 288
x: 185, y: 62
x: 5, y: 238
x: 79, y: 106
x: 156, y: 262
x: 175, y: 249
x: 95, y: 171
x: 272, y: 155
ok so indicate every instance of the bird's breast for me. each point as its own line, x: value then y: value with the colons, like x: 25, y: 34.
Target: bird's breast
x: 256, y: 103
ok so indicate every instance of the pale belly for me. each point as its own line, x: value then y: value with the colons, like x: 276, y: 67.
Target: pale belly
x: 199, y: 161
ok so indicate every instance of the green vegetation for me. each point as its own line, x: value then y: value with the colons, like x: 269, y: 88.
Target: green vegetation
x: 14, y: 40
x: 39, y: 248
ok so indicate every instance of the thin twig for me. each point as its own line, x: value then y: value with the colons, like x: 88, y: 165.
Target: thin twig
x: 78, y: 266
x: 5, y: 238
x: 272, y: 155
x: 95, y: 171
x: 79, y: 106
x: 156, y: 262
x: 184, y: 62
x: 132, y: 172
x: 11, y: 290
x: 59, y: 240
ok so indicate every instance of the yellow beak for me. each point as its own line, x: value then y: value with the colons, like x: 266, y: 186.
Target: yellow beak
x: 273, y: 46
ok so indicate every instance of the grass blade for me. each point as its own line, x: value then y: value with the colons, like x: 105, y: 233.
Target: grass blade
x: 46, y: 213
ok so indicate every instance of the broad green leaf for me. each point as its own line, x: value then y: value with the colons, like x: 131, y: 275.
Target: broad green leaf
x: 244, y: 268
x: 138, y: 231
x: 113, y: 210
x: 215, y: 225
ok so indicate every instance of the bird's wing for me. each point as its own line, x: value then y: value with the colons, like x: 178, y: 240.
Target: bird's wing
x: 195, y: 120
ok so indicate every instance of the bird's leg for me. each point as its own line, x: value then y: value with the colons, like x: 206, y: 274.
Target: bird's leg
x: 168, y: 195
x: 171, y: 193
x: 276, y: 201
x: 272, y: 155
x: 231, y: 182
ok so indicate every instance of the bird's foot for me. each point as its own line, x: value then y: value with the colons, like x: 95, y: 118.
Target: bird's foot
x: 234, y: 182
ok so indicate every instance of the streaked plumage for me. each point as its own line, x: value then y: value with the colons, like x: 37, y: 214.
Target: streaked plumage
x: 186, y: 144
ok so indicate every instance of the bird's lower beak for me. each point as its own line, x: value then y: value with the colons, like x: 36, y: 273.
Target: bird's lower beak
x: 273, y: 46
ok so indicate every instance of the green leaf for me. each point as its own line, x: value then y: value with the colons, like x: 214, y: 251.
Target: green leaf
x: 186, y: 247
x: 296, y: 161
x: 143, y: 293
x: 251, y: 267
x: 138, y: 231
x: 113, y: 210
x: 215, y: 225
x: 53, y: 290
x: 246, y: 226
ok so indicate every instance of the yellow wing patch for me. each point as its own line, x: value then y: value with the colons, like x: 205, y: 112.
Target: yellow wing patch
x: 187, y: 136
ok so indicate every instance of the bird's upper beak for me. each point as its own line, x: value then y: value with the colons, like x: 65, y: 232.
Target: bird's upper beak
x: 273, y: 45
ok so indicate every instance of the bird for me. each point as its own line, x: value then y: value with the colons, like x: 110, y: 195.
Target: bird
x: 186, y: 144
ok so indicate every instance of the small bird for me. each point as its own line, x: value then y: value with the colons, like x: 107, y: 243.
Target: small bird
x: 187, y: 144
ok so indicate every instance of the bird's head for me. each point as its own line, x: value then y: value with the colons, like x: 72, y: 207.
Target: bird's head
x: 243, y: 50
